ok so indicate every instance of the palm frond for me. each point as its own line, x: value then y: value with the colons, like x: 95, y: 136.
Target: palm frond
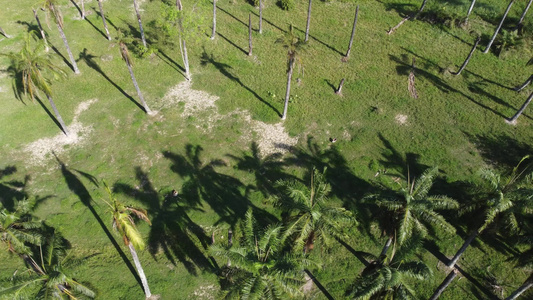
x: 424, y: 183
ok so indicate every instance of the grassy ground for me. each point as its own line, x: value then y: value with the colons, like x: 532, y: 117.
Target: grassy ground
x: 457, y: 123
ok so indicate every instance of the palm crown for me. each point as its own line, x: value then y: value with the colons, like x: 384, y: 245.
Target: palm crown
x: 17, y: 228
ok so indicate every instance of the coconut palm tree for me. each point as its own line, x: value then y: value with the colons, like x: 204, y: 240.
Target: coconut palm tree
x: 136, y: 6
x: 31, y: 69
x: 411, y: 209
x: 260, y: 269
x: 103, y: 18
x: 308, y: 21
x: 390, y: 278
x: 513, y: 119
x: 294, y: 45
x: 123, y: 48
x: 509, y: 198
x: 51, y: 280
x: 53, y: 10
x: 125, y: 225
x: 499, y: 27
x: 310, y: 216
x: 18, y: 228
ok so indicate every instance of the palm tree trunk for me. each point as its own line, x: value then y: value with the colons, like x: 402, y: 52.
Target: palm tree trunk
x: 521, y: 110
x: 183, y: 45
x: 524, y: 287
x: 413, y: 16
x: 386, y: 247
x: 214, y: 19
x: 260, y: 16
x: 444, y: 284
x: 43, y: 35
x: 146, y: 108
x: 308, y: 21
x: 3, y: 32
x: 140, y: 271
x: 103, y: 19
x: 60, y: 28
x: 470, y: 10
x: 526, y: 83
x: 523, y: 15
x: 288, y: 92
x: 339, y: 89
x: 139, y: 20
x: 249, y: 34
x: 58, y: 116
x: 345, y: 58
x: 82, y: 9
x: 499, y: 27
x: 468, y: 57
x: 469, y: 240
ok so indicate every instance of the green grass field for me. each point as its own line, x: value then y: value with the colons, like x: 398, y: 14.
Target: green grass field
x: 457, y: 124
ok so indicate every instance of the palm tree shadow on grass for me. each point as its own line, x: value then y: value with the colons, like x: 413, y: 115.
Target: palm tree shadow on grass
x: 49, y: 113
x: 225, y: 70
x: 65, y: 60
x: 91, y: 63
x: 13, y: 190
x: 203, y: 184
x: 96, y: 28
x: 502, y: 150
x: 172, y: 230
x: 78, y: 188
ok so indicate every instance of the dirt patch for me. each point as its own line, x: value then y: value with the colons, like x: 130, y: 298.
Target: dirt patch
x: 207, y: 292
x: 40, y: 148
x: 401, y: 119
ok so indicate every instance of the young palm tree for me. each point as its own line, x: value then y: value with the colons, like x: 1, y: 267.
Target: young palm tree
x: 31, y: 69
x: 509, y: 198
x: 411, y: 209
x: 294, y: 45
x: 51, y: 280
x: 259, y: 267
x: 310, y: 216
x: 122, y: 40
x: 50, y: 7
x: 390, y: 278
x: 125, y: 225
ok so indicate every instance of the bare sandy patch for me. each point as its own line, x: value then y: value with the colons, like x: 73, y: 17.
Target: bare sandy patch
x: 39, y: 149
x: 207, y: 292
x: 401, y: 119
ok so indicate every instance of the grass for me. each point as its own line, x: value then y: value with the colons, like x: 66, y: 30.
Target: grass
x: 457, y: 123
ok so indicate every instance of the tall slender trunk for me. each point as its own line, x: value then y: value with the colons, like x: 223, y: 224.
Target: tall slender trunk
x: 249, y: 34
x: 214, y: 19
x: 146, y: 108
x: 183, y: 45
x: 308, y: 21
x: 524, y: 287
x: 524, y: 15
x: 387, y: 246
x: 521, y: 110
x: 140, y: 271
x: 103, y: 19
x: 43, y: 35
x: 470, y: 10
x: 468, y: 57
x: 82, y: 9
x: 499, y: 27
x: 60, y: 28
x: 412, y: 16
x: 339, y: 89
x: 139, y: 20
x: 345, y: 58
x: 526, y: 83
x: 444, y: 284
x: 260, y: 16
x: 58, y: 116
x: 288, y: 92
x: 469, y: 240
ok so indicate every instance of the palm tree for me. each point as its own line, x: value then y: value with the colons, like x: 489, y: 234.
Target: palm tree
x: 410, y: 210
x: 470, y: 10
x: 50, y: 7
x: 524, y: 261
x: 308, y: 21
x: 260, y: 269
x: 51, y: 279
x: 43, y: 35
x: 18, y: 228
x: 520, y: 111
x: 507, y: 200
x: 136, y: 6
x: 293, y: 44
x: 213, y: 33
x: 122, y: 40
x: 125, y: 225
x: 31, y: 69
x: 309, y: 215
x: 390, y: 278
x: 103, y: 18
x: 520, y: 24
x: 499, y: 27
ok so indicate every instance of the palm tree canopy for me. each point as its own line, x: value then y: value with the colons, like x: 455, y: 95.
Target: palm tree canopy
x: 413, y: 209
x: 260, y: 269
x: 18, y: 228
x: 32, y: 69
x: 310, y: 213
x: 293, y: 43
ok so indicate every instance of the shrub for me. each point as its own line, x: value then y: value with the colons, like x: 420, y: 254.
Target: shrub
x: 286, y: 4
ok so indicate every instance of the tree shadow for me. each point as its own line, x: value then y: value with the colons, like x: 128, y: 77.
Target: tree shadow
x: 402, y: 164
x: 358, y: 254
x: 203, y: 184
x: 268, y: 22
x: 232, y: 43
x: 30, y: 27
x: 88, y: 58
x: 78, y: 188
x: 319, y: 41
x: 49, y: 113
x: 172, y: 230
x: 403, y: 9
x: 96, y: 28
x: 13, y: 190
x: 65, y: 60
x: 319, y: 285
x: 235, y: 18
x: 404, y: 67
x: 478, y: 88
x: 225, y: 70
x: 331, y: 85
x: 500, y: 150
x: 169, y: 61
x: 77, y: 7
